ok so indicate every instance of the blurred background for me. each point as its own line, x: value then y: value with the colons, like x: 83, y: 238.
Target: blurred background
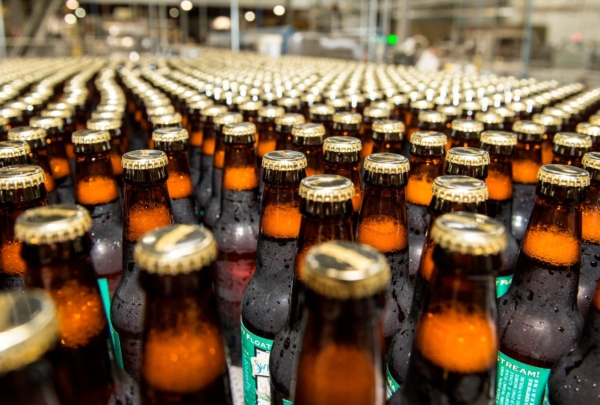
x: 550, y: 39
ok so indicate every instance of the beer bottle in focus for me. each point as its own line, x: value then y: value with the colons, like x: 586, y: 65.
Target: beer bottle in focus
x: 426, y: 163
x: 164, y: 121
x: 174, y: 142
x: 490, y: 120
x: 453, y: 358
x: 339, y: 104
x: 465, y: 133
x: 14, y: 153
x: 592, y: 131
x: 340, y: 362
x: 117, y: 144
x: 56, y: 247
x: 195, y: 129
x: 308, y: 101
x: 400, y: 107
x: 146, y: 206
x: 569, y: 148
x: 382, y: 225
x: 269, y: 289
x: 552, y: 125
x: 467, y: 161
x: 291, y: 105
x: 388, y: 136
x: 265, y: 124
x: 539, y: 321
x: 308, y: 139
x: 450, y: 194
x: 184, y: 359
x: 452, y: 113
x: 526, y: 161
x: 29, y: 334
x: 322, y: 114
x: 283, y: 127
x: 57, y: 156
x: 236, y: 230
x: 371, y: 115
x: 21, y: 188
x: 213, y: 206
x: 507, y: 114
x: 326, y: 207
x: 347, y: 124
x: 416, y: 108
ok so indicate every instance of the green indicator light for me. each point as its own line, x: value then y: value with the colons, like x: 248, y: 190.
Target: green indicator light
x: 392, y: 39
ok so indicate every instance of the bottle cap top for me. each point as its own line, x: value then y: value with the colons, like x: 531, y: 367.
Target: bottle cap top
x: 170, y: 134
x: 284, y: 160
x: 347, y: 118
x: 239, y: 129
x: 388, y: 127
x: 529, y: 128
x: 107, y: 115
x: 467, y: 125
x: 160, y: 110
x: 462, y: 189
x: 310, y: 98
x: 386, y: 163
x: 345, y: 270
x: 432, y: 117
x: 62, y: 114
x: 489, y: 117
x: 322, y: 109
x: 583, y: 128
x: 591, y: 160
x: 144, y: 159
x: 46, y: 122
x: 167, y: 119
x: 239, y: 100
x: 470, y: 106
x: 563, y: 175
x: 468, y: 156
x: 13, y: 149
x: 90, y: 136
x: 271, y: 111
x: 428, y: 139
x: 9, y: 112
x: 213, y: 110
x: 327, y: 188
x: 250, y: 106
x: 342, y: 144
x: 498, y: 138
x: 103, y: 124
x: 469, y: 233
x: 421, y: 105
x: 337, y: 102
x: 398, y: 99
x: 504, y: 112
x: 547, y: 119
x: 288, y: 102
x: 376, y: 112
x: 52, y: 224
x: 176, y: 249
x: 517, y: 107
x: 289, y: 119
x: 228, y: 118
x: 21, y: 176
x: 26, y: 134
x: 450, y: 110
x: 573, y: 140
x: 115, y: 108
x: 308, y: 130
x: 202, y: 105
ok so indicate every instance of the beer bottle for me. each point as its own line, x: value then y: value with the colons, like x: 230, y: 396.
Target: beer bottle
x: 236, y: 230
x: 174, y: 142
x: 183, y: 349
x: 356, y: 103
x: 507, y: 114
x: 237, y: 102
x: 283, y: 127
x: 97, y: 190
x: 57, y: 156
x: 213, y: 206
x: 14, y: 117
x: 452, y: 113
x: 552, y: 125
x: 14, y: 153
x: 21, y: 187
x: 416, y: 108
x: 588, y: 129
x: 472, y: 162
x: 291, y: 105
x: 269, y: 288
x: 459, y: 315
x: 308, y: 139
x: 569, y: 148
x: 523, y: 112
x: 339, y: 104
x: 307, y: 101
x: 431, y: 121
x: 267, y: 136
x: 250, y: 110
x: 146, y: 206
x: 450, y: 194
x: 322, y: 114
x: 345, y: 282
x: 465, y: 133
x: 56, y: 247
x: 526, y: 161
x: 490, y: 120
x: 382, y: 225
x: 539, y: 320
x: 400, y: 107
x: 68, y: 127
x: 164, y: 121
x: 117, y: 143
x: 346, y: 124
x: 427, y: 163
x: 470, y: 109
x: 371, y: 115
x: 195, y: 129
x: 36, y: 139
x: 568, y: 124
x: 326, y: 207
x: 388, y: 136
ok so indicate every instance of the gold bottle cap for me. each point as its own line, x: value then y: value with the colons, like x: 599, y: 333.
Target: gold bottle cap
x: 289, y: 119
x: 176, y: 249
x: 337, y: 102
x: 90, y: 137
x: 288, y: 102
x: 468, y: 156
x: 144, y: 159
x: 470, y: 106
x: 547, y: 120
x: 284, y: 160
x: 563, y: 175
x: 271, y: 111
x: 321, y: 109
x: 433, y: 117
x: 62, y: 114
x: 355, y: 99
x: 239, y: 100
x: 450, y: 110
x: 342, y: 144
x: 115, y: 108
x: 428, y: 139
x: 103, y: 124
x: 52, y: 224
x: 160, y: 110
x: 558, y: 112
x: 21, y: 176
x: 46, y: 122
x: 386, y: 163
x: 595, y: 119
x: 228, y: 118
x: 388, y: 127
x: 469, y: 233
x: 240, y: 133
x: 517, y: 107
x: 573, y: 140
x: 308, y: 130
x: 467, y: 125
x: 214, y: 110
x: 18, y: 105
x: 13, y: 149
x: 584, y: 128
x: 347, y: 118
x: 421, y: 105
x: 591, y: 160
x: 310, y: 98
x: 26, y: 134
x: 327, y: 188
x: 167, y: 119
x: 529, y: 128
x: 202, y: 104
x: 498, y: 138
x: 28, y: 328
x: 170, y: 134
x: 379, y: 113
x: 107, y: 115
x: 345, y: 270
x: 489, y: 118
x: 462, y: 189
x: 250, y: 106
x: 9, y: 113
x: 398, y: 99
x: 504, y: 112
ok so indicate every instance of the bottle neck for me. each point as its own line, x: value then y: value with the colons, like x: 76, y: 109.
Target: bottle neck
x: 478, y: 172
x: 526, y: 161
x: 281, y: 216
x: 499, y: 180
x: 94, y: 180
x: 423, y: 171
x: 11, y: 161
x: 240, y: 172
x: 567, y: 155
x: 590, y: 210
x: 146, y: 206
x: 179, y: 182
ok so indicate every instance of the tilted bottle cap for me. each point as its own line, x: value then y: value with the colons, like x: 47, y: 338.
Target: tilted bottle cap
x: 62, y: 114
x: 52, y: 224
x: 573, y: 140
x: 284, y: 160
x: 271, y: 111
x: 176, y: 249
x: 388, y: 127
x: 379, y: 113
x: 167, y: 119
x: 213, y: 111
x: 563, y: 175
x: 529, y: 128
x: 26, y: 133
x: 21, y: 176
x: 450, y: 110
x: 342, y: 144
x: 547, y: 120
x: 345, y: 270
x: 504, y: 112
x: 144, y: 159
x: 288, y: 102
x: 251, y: 106
x: 347, y: 118
x: 172, y: 134
x: 321, y: 109
x: 28, y: 330
x: 591, y: 160
x: 462, y: 189
x: 498, y: 138
x: 160, y: 110
x: 584, y: 128
x: 308, y: 130
x: 432, y: 117
x: 386, y: 163
x: 228, y: 118
x: 90, y: 136
x: 326, y: 188
x: 469, y: 233
x: 240, y: 133
x: 467, y: 125
x: 428, y: 139
x: 46, y: 122
x: 489, y: 118
x: 202, y: 104
x: 468, y: 156
x: 103, y: 124
x: 289, y: 119
x: 13, y: 149
x: 337, y: 102
x: 421, y: 105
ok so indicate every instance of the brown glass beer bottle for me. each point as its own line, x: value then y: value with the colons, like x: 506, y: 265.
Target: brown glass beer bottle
x: 569, y: 148
x: 308, y: 139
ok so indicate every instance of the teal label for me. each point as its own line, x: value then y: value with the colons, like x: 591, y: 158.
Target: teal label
x: 104, y: 291
x: 519, y: 383
x: 255, y: 365
x: 502, y: 285
x: 391, y: 385
x: 286, y: 402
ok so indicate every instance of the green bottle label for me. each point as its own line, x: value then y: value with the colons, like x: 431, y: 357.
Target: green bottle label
x: 255, y: 365
x: 104, y: 291
x: 502, y: 285
x: 391, y: 385
x: 519, y: 383
x: 286, y: 402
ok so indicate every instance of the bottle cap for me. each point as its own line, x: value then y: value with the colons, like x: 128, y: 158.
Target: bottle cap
x: 558, y: 112
x: 21, y: 176
x: 462, y: 189
x: 284, y: 160
x: 310, y: 98
x: 428, y: 139
x: 563, y: 175
x: 469, y: 233
x: 28, y: 330
x: 489, y: 118
x: 240, y: 133
x: 160, y: 110
x: 421, y: 105
x: 62, y: 114
x: 529, y: 128
x: 517, y: 107
x: 203, y: 104
x: 573, y: 140
x: 8, y: 112
x: 114, y: 108
x: 547, y: 119
x: 288, y: 102
x: 46, y: 122
x: 498, y: 138
x: 337, y: 102
x: 213, y: 111
x: 386, y: 163
x: 467, y: 125
x: 103, y: 124
x: 176, y: 249
x: 347, y: 118
x: 327, y: 188
x: 450, y: 110
x: 170, y: 134
x: 388, y: 127
x: 432, y: 117
x: 90, y: 136
x: 13, y: 149
x: 107, y: 115
x: 250, y: 106
x: 167, y: 119
x: 52, y: 224
x: 289, y: 119
x: 342, y: 144
x: 345, y: 270
x: 271, y: 111
x: 26, y: 134
x: 470, y: 106
x: 321, y: 109
x: 308, y: 130
x: 591, y: 160
x: 376, y: 112
x: 239, y: 100
x: 144, y: 159
x: 583, y: 128
x: 228, y: 118
x: 468, y: 156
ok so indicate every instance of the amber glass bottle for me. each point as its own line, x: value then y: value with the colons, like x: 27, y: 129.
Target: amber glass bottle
x: 370, y: 116
x: 14, y: 153
x: 68, y: 127
x: 568, y: 123
x: 465, y: 133
x: 322, y: 114
x: 432, y: 121
x: 290, y: 104
x: 265, y: 124
x: 283, y: 127
x: 522, y: 111
x: 452, y: 113
x: 569, y: 148
x: 399, y: 103
x: 163, y: 121
x: 339, y: 104
x: 552, y: 125
x: 345, y: 282
x: 416, y: 108
x: 356, y: 103
x: 308, y: 101
x: 388, y: 136
x: 347, y: 124
x: 507, y: 114
x: 470, y: 109
x: 308, y: 139
x: 490, y: 120
x: 117, y: 144
x: 250, y: 110
x: 195, y: 128
x: 472, y: 162
x: 586, y: 128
